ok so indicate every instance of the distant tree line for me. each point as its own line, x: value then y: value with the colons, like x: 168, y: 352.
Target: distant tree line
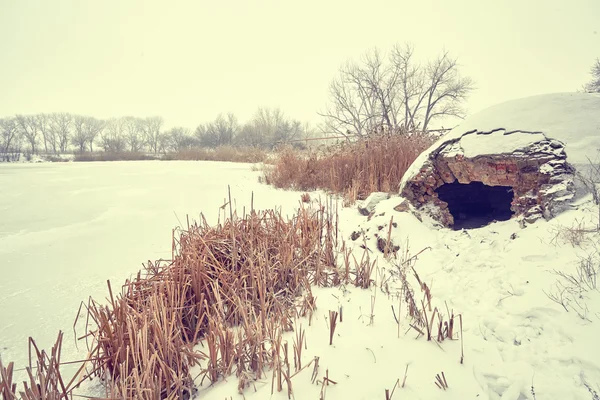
x: 378, y: 91
x: 58, y: 133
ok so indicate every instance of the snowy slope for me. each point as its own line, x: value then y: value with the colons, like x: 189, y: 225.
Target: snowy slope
x: 515, y: 337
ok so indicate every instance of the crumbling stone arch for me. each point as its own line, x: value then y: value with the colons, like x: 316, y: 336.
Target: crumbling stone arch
x: 537, y: 172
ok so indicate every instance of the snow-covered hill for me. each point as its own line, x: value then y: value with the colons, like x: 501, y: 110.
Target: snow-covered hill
x: 518, y: 343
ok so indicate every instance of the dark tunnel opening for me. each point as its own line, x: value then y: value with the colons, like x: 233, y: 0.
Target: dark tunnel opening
x: 474, y: 205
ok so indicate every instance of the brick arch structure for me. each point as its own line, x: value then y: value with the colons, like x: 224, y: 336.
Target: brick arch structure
x: 535, y: 169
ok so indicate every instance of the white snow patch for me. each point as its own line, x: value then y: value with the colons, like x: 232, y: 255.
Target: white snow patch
x: 497, y: 142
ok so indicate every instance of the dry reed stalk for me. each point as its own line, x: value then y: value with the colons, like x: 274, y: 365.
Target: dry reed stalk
x: 235, y: 287
x: 286, y: 372
x: 372, y: 315
x: 299, y: 344
x: 315, y: 371
x: 388, y: 394
x: 399, y: 313
x: 445, y: 328
x: 462, y: 349
x: 45, y: 380
x: 332, y: 325
x: 421, y: 321
x: 363, y: 271
x: 326, y: 381
x: 8, y: 389
x: 346, y: 253
x: 440, y: 381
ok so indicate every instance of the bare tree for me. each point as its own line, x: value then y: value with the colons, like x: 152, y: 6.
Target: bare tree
x: 9, y: 137
x: 179, y: 139
x: 29, y: 129
x: 268, y: 128
x: 446, y: 90
x: 133, y: 130
x: 152, y: 132
x: 80, y: 137
x: 408, y: 86
x: 249, y: 136
x: 93, y: 128
x: 220, y: 132
x: 113, y: 138
x: 164, y: 143
x: 60, y: 131
x: 593, y: 86
x: 398, y: 94
x: 43, y: 125
x: 307, y: 132
x: 287, y: 131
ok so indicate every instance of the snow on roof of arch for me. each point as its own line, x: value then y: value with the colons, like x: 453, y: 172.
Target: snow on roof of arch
x: 572, y: 118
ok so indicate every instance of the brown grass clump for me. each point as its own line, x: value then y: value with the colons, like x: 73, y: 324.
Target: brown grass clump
x: 374, y: 164
x: 234, y: 288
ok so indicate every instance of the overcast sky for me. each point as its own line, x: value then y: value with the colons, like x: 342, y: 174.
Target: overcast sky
x: 190, y: 60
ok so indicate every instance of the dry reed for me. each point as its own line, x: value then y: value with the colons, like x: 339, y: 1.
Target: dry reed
x: 374, y: 164
x: 222, y: 304
x: 234, y: 288
x: 45, y: 381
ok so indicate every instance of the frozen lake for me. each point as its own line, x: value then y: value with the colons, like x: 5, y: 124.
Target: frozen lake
x: 66, y: 228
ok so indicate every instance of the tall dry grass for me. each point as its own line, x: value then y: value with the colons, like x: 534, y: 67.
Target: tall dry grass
x: 235, y: 288
x: 45, y: 380
x: 374, y: 164
x: 221, y: 307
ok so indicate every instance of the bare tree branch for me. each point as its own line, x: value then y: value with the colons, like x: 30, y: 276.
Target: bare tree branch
x: 396, y: 93
x: 60, y: 131
x: 9, y: 137
x: 152, y: 132
x: 28, y: 128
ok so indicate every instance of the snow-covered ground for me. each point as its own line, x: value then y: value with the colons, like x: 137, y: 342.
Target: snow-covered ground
x: 497, y: 277
x: 67, y: 228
